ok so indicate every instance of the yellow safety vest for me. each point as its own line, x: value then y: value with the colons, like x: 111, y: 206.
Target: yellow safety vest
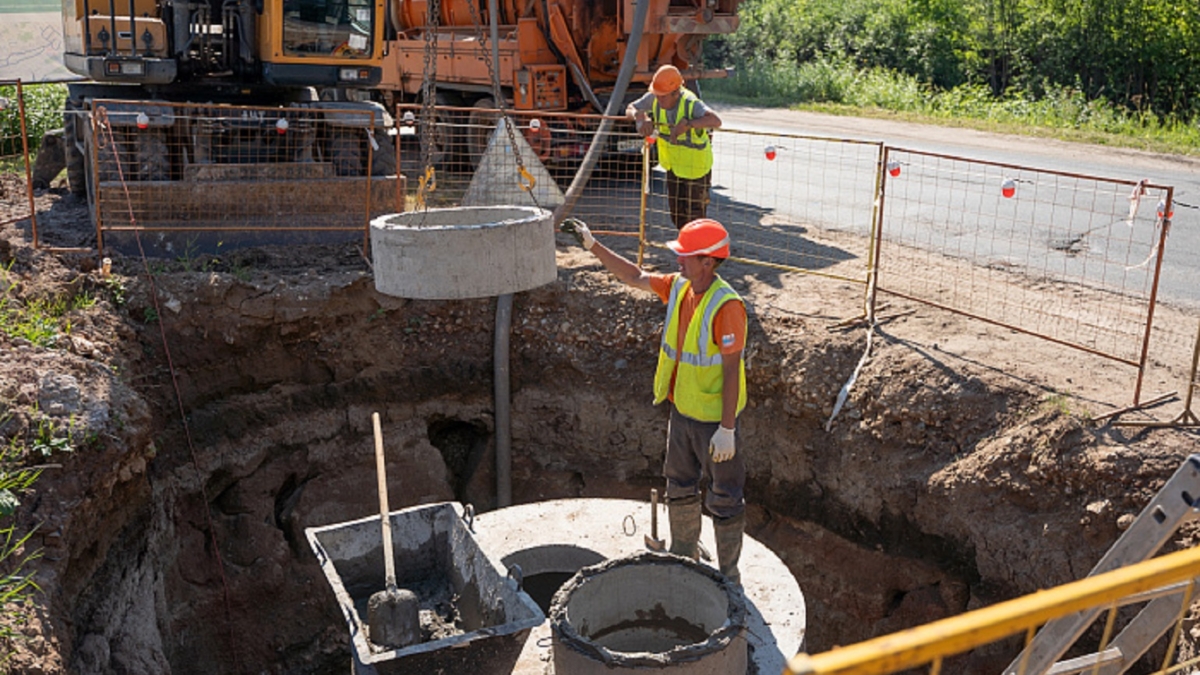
x: 690, y: 155
x: 697, y: 365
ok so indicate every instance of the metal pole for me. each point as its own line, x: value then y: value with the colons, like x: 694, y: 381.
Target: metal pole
x: 641, y: 256
x: 876, y: 242
x: 370, y: 161
x: 1162, y: 244
x: 494, y: 26
x: 25, y: 150
x: 504, y: 305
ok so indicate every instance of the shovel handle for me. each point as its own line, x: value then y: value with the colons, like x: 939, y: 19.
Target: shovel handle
x: 389, y: 565
x: 654, y: 514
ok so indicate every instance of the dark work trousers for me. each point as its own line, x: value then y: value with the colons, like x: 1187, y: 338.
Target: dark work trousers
x: 688, y: 198
x: 689, y: 468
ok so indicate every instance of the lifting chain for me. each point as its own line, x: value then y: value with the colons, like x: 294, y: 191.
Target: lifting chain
x: 525, y: 178
x: 428, y: 181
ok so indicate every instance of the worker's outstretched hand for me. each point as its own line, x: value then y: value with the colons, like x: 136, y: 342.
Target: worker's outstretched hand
x: 578, y: 229
x: 722, y: 447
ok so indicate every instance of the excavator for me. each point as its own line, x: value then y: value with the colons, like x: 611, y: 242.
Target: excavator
x: 305, y: 64
x: 221, y: 93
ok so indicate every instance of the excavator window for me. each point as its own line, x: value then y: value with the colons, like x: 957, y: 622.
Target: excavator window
x: 328, y: 28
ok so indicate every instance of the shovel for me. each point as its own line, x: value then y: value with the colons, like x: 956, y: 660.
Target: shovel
x: 652, y: 541
x: 393, y: 614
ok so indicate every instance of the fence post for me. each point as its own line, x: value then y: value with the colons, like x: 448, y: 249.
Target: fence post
x: 1165, y: 226
x: 645, y: 189
x: 25, y: 151
x: 875, y: 242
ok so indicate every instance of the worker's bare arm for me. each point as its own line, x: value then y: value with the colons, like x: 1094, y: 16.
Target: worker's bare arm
x: 710, y: 120
x: 621, y: 267
x: 731, y: 367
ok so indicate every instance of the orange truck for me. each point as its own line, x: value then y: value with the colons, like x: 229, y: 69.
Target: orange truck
x: 555, y: 55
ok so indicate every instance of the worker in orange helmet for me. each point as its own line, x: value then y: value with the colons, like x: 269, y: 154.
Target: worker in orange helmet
x: 683, y: 123
x: 700, y: 371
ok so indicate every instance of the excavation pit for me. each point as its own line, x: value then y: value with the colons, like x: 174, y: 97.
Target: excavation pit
x: 649, y: 611
x: 472, y: 618
x: 460, y: 253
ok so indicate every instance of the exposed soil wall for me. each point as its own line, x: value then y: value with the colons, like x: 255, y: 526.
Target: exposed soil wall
x: 944, y: 484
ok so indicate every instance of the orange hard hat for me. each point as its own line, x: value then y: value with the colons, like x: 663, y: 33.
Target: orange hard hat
x: 666, y: 80
x: 702, y: 236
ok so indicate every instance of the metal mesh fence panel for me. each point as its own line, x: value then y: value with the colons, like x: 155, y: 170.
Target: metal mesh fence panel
x: 473, y: 161
x: 196, y: 167
x: 16, y: 187
x: 1069, y: 258
x: 794, y: 202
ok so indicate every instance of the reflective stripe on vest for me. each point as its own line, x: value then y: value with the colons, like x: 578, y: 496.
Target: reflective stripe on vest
x: 697, y: 365
x: 690, y: 155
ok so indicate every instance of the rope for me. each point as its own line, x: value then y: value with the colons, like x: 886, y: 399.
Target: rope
x: 101, y: 123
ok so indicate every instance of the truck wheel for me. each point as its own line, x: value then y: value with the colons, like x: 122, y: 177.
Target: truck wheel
x: 383, y: 160
x: 480, y: 125
x: 74, y: 123
x: 346, y: 152
x: 153, y: 162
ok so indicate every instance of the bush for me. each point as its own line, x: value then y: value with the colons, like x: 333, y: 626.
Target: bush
x: 43, y: 112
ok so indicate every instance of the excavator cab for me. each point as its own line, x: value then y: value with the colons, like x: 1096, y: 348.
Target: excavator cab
x: 285, y: 43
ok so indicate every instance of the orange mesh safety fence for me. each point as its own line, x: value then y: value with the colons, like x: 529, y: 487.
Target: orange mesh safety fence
x: 157, y: 166
x: 791, y: 202
x: 470, y: 152
x: 1070, y: 258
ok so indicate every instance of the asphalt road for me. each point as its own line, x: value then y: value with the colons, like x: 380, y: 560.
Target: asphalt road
x: 1181, y: 262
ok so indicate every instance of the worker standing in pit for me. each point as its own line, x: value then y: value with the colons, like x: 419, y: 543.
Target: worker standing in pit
x: 700, y: 371
x: 683, y: 123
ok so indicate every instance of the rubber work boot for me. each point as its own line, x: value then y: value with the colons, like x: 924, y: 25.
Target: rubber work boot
x: 684, y: 515
x: 729, y: 533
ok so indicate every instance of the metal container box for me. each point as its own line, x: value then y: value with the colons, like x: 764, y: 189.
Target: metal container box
x: 474, y: 619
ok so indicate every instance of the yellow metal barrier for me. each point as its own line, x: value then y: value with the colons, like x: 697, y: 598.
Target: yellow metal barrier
x: 931, y: 643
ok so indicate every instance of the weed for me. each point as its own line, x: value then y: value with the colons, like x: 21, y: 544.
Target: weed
x: 16, y: 584
x: 40, y: 321
x: 117, y: 293
x: 150, y: 316
x: 1058, y: 401
x: 240, y: 271
x: 189, y: 257
x: 47, y: 439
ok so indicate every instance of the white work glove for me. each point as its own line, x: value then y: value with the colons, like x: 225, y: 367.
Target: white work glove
x: 578, y: 229
x: 722, y: 446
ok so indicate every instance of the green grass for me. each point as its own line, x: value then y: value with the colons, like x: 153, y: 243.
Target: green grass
x: 16, y: 584
x: 836, y: 86
x: 40, y: 321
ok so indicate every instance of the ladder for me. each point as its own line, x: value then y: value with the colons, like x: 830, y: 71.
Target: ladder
x: 1175, y: 504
